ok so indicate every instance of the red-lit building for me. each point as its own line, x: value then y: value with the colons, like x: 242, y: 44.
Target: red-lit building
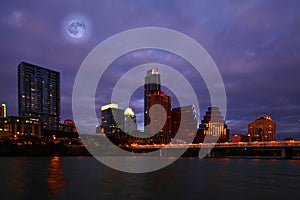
x: 262, y: 129
x: 240, y: 138
x: 160, y: 112
x: 152, y: 83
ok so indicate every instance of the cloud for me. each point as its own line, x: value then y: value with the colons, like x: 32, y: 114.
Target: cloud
x: 255, y: 45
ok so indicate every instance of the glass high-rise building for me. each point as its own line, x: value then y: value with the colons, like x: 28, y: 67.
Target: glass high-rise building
x: 152, y: 83
x: 184, y: 117
x: 39, y: 94
x: 112, y: 119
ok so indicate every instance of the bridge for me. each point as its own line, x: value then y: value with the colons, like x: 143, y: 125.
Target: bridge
x: 273, y: 149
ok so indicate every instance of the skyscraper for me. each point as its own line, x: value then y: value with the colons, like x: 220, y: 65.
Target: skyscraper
x: 160, y: 117
x: 213, y: 127
x: 152, y: 82
x: 184, y: 117
x: 39, y: 94
x: 112, y: 119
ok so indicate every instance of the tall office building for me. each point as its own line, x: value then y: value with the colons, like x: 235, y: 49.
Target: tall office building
x: 112, y: 119
x: 3, y: 110
x: 160, y: 115
x: 184, y: 117
x: 152, y: 83
x: 213, y: 127
x: 262, y: 129
x: 153, y: 121
x: 39, y: 94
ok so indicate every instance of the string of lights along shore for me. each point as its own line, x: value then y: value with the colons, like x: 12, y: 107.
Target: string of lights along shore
x: 40, y: 112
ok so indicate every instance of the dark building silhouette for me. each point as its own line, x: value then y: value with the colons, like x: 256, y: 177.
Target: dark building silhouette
x: 152, y: 83
x: 186, y: 118
x: 240, y: 138
x: 212, y: 127
x: 69, y: 126
x: 39, y: 94
x: 112, y: 119
x: 262, y: 129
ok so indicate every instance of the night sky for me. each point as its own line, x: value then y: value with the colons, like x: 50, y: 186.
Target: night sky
x: 255, y: 44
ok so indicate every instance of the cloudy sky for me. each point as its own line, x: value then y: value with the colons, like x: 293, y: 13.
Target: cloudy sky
x: 255, y: 45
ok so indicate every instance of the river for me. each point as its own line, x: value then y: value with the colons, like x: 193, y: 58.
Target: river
x: 187, y: 178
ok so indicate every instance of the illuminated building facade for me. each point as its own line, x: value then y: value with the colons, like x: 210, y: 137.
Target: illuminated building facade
x: 130, y: 125
x: 262, y: 129
x: 152, y: 83
x: 186, y: 118
x: 39, y: 94
x: 3, y: 110
x: 13, y: 126
x: 112, y: 119
x: 152, y: 96
x: 212, y: 127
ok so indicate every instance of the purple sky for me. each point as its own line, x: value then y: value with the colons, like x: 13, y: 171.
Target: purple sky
x: 255, y: 44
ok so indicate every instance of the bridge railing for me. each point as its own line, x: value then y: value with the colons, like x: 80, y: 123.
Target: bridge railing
x: 220, y: 145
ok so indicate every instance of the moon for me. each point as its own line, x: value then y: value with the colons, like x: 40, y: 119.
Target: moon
x: 76, y: 28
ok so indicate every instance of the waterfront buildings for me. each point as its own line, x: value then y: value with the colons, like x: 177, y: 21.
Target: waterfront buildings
x: 262, y: 129
x: 14, y: 126
x: 213, y: 127
x: 39, y: 94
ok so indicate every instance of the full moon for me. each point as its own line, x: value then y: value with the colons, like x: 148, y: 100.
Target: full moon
x: 76, y: 28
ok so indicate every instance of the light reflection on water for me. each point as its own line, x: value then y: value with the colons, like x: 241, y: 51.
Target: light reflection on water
x: 56, y: 177
x: 86, y: 178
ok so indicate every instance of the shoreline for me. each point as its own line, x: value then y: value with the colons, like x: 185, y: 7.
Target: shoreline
x: 85, y: 153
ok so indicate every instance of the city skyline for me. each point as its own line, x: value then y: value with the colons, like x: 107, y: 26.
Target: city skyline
x: 254, y: 44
